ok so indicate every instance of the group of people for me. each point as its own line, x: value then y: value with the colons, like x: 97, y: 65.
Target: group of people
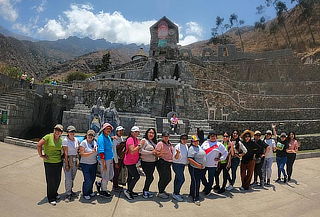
x: 116, y: 155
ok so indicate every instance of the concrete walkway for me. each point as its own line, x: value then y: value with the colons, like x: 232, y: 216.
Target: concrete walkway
x: 23, y: 190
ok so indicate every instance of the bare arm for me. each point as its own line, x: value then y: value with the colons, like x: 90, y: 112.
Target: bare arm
x: 85, y: 154
x: 195, y: 163
x: 39, y: 149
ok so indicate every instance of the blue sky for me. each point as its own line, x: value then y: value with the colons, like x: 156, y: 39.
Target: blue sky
x: 122, y: 21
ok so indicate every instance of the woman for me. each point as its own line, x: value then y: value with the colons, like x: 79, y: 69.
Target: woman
x: 291, y: 153
x: 88, y: 163
x: 237, y: 152
x: 70, y: 165
x: 223, y: 165
x: 180, y: 160
x: 174, y: 123
x: 118, y: 146
x: 148, y: 159
x: 197, y: 160
x: 164, y: 151
x: 281, y: 153
x: 131, y: 158
x: 248, y: 162
x: 51, y: 155
x: 267, y: 165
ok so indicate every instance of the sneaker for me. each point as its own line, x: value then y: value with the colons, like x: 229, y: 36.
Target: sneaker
x: 53, y: 203
x: 128, y: 195
x: 87, y: 197
x: 229, y: 188
x: 92, y: 194
x: 278, y: 180
x: 166, y: 193
x: 147, y: 194
x: 163, y: 195
x: 73, y: 194
x: 285, y: 180
x: 105, y: 194
x: 216, y: 187
x: 58, y: 197
x: 98, y: 186
x: 134, y: 194
x: 177, y: 197
x: 197, y: 203
x: 222, y: 190
x: 69, y: 197
x: 241, y: 188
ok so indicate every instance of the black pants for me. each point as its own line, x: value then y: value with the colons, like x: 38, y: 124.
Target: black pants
x: 195, y: 175
x: 148, y: 169
x: 258, y: 172
x: 164, y: 170
x: 133, y: 176
x: 226, y: 175
x: 291, y: 157
x: 53, y: 178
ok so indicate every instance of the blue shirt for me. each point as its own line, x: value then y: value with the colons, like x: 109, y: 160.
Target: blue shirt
x: 105, y: 146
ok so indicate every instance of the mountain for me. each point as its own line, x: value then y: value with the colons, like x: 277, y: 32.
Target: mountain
x: 8, y: 33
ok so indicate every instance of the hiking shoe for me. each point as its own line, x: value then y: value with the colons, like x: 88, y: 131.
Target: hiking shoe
x: 177, y: 197
x: 229, y: 188
x: 278, y: 180
x: 163, y: 195
x: 69, y: 197
x: 128, y: 195
x: 87, y: 197
x: 53, y: 203
x: 134, y: 194
x: 147, y: 194
x: 197, y: 203
x: 92, y: 194
x: 105, y: 194
x: 222, y: 190
x: 98, y: 186
x: 166, y: 193
x: 241, y: 188
x: 216, y: 187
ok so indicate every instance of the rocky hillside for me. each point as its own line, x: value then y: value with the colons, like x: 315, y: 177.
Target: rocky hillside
x: 274, y: 36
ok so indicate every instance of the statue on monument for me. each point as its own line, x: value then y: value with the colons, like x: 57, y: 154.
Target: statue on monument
x: 96, y: 116
x: 111, y: 116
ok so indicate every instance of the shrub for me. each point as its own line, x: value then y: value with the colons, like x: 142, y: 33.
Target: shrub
x: 76, y: 76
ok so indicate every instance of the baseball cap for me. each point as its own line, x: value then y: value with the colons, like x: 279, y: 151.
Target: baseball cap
x: 268, y: 132
x: 283, y: 134
x: 257, y: 132
x: 195, y: 138
x: 58, y: 127
x: 71, y: 128
x: 91, y: 132
x: 119, y: 128
x: 135, y: 129
x: 165, y: 133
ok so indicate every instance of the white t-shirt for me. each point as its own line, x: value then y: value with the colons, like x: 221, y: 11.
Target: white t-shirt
x: 272, y: 143
x: 88, y: 147
x: 72, y: 145
x: 216, y: 151
x: 183, y: 158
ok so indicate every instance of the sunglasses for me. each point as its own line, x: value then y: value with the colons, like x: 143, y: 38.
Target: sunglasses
x: 258, y: 135
x: 247, y: 136
x: 225, y: 136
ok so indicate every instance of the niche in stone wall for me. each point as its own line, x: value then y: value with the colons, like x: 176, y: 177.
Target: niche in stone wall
x: 155, y: 71
x: 176, y: 73
x: 123, y: 76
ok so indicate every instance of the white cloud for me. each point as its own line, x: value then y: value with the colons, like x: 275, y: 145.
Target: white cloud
x: 82, y: 21
x: 189, y: 39
x: 41, y: 7
x: 22, y: 28
x: 8, y: 11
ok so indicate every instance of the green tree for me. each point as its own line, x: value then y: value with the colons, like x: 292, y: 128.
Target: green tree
x: 233, y: 19
x: 106, y: 63
x: 76, y: 76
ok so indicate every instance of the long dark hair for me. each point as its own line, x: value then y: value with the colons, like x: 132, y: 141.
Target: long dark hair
x: 237, y: 140
x: 154, y: 140
x: 294, y: 136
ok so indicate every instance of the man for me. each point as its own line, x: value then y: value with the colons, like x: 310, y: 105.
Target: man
x: 259, y: 158
x: 105, y: 158
x: 215, y: 152
x: 118, y: 159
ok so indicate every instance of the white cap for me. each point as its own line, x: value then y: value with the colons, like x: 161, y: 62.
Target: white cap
x: 119, y: 128
x: 135, y: 129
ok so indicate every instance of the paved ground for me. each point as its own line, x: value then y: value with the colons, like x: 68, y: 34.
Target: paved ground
x: 22, y: 193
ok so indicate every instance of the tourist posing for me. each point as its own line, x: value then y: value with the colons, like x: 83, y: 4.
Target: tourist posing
x: 118, y: 155
x: 105, y: 158
x: 259, y: 159
x: 238, y: 151
x: 174, y: 123
x: 197, y: 160
x: 131, y: 158
x: 148, y: 159
x: 267, y: 164
x: 248, y: 162
x: 51, y: 155
x: 88, y: 163
x: 291, y: 153
x: 224, y: 165
x: 164, y: 151
x: 215, y: 152
x: 281, y: 153
x: 70, y: 146
x: 179, y: 162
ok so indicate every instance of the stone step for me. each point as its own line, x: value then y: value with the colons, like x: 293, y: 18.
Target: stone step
x: 128, y: 114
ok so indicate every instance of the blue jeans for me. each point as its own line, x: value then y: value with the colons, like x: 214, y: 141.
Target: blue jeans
x: 196, y: 175
x: 281, y: 161
x: 234, y: 166
x: 179, y: 178
x: 208, y: 183
x: 89, y: 173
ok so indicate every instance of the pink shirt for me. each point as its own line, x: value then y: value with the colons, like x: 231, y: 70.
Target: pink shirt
x: 293, y: 146
x: 166, y: 151
x: 129, y: 157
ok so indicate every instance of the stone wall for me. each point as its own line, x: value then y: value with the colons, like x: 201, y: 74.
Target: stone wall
x: 8, y: 83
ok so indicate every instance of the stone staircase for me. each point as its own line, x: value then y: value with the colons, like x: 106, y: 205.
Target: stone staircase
x: 143, y: 121
x: 202, y: 124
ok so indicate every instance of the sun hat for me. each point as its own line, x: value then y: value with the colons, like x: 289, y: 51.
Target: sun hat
x: 105, y: 125
x: 247, y: 132
x: 135, y: 129
x: 71, y: 128
x: 58, y: 127
x: 257, y: 132
x: 91, y: 132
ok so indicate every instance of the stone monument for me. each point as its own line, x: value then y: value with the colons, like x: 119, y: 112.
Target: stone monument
x: 96, y: 116
x: 111, y: 116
